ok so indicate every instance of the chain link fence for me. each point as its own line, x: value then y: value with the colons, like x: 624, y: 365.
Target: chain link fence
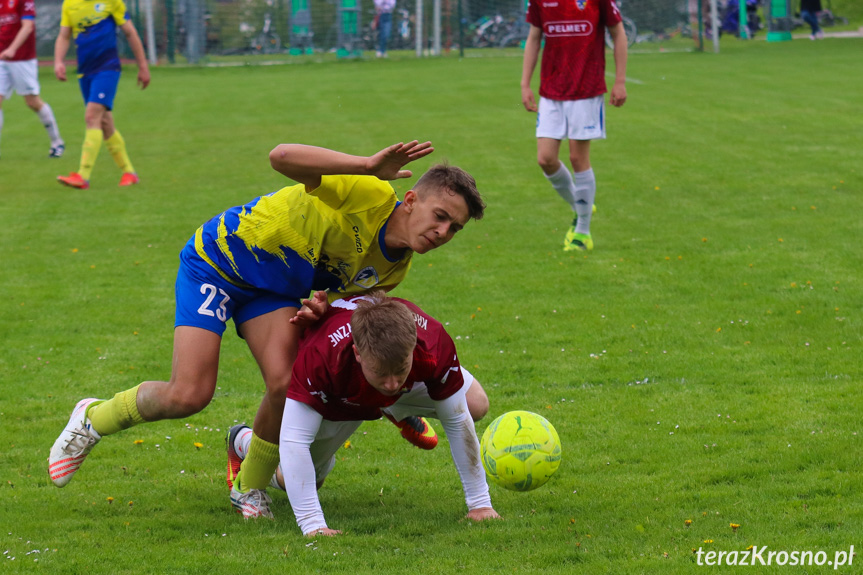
x: 205, y: 30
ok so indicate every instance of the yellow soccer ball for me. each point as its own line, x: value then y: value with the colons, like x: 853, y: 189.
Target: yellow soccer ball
x: 520, y: 450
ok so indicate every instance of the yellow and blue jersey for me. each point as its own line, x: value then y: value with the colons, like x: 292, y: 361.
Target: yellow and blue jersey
x: 292, y: 241
x: 94, y: 26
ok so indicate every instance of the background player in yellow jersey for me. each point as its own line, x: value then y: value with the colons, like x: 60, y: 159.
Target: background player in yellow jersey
x: 341, y: 229
x: 94, y: 27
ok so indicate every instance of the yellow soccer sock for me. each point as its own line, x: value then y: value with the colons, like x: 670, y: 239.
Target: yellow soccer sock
x: 89, y: 153
x: 116, y: 414
x: 117, y: 147
x: 259, y: 465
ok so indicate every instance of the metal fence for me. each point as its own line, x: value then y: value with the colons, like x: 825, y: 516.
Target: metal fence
x: 197, y: 30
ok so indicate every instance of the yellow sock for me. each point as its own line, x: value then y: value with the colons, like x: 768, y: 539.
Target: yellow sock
x: 259, y: 465
x: 116, y: 414
x: 90, y: 151
x: 117, y: 147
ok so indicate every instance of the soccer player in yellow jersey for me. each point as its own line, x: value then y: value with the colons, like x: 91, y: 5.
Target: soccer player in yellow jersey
x: 94, y: 27
x: 341, y: 229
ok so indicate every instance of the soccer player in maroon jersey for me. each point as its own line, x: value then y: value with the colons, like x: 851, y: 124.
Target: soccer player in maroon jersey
x: 571, y: 88
x: 367, y: 354
x: 18, y: 67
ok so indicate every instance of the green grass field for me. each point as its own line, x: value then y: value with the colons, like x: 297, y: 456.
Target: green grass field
x: 703, y: 363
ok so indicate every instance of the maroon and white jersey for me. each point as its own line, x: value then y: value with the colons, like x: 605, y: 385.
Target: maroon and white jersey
x: 573, y: 60
x: 327, y: 377
x: 11, y: 14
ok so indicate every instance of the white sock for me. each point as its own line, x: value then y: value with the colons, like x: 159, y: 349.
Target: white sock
x: 242, y: 442
x: 46, y: 115
x: 585, y: 194
x: 561, y: 181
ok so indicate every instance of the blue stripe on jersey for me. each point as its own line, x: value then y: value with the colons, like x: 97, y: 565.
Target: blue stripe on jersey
x: 97, y: 48
x: 289, y: 274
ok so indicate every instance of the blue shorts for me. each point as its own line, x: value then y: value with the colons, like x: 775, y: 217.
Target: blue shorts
x: 100, y: 88
x: 207, y: 300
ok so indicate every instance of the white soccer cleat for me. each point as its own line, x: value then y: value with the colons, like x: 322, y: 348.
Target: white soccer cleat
x: 252, y: 504
x: 73, y: 445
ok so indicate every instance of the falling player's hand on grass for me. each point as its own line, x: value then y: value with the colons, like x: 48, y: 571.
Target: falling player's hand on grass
x: 326, y: 531
x: 482, y: 513
x: 388, y: 163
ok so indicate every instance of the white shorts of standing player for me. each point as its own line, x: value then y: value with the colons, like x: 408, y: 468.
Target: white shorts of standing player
x: 19, y: 76
x: 571, y: 119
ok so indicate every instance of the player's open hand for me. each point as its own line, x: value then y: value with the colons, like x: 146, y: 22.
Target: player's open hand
x: 388, y: 163
x: 313, y: 309
x: 482, y: 513
x: 325, y: 531
x: 527, y: 99
x: 60, y: 71
x: 7, y: 54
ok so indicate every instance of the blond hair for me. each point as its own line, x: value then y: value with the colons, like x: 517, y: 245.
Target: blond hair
x: 385, y: 332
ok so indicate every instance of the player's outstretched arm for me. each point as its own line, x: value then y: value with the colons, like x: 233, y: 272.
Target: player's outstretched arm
x: 300, y: 425
x: 61, y: 48
x: 307, y: 164
x: 464, y: 446
x: 138, y: 50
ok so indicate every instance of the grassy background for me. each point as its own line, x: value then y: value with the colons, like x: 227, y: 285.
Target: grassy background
x: 702, y: 363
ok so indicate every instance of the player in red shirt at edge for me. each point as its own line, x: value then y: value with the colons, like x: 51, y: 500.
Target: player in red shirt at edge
x: 370, y: 354
x: 19, y: 71
x: 571, y: 88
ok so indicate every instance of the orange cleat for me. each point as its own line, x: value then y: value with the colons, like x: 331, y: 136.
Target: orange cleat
x: 417, y: 431
x: 74, y: 180
x: 129, y: 179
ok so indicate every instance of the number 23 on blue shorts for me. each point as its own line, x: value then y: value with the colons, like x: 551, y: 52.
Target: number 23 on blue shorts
x: 207, y: 300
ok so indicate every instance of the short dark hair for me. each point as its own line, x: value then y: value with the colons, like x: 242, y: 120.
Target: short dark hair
x: 457, y: 181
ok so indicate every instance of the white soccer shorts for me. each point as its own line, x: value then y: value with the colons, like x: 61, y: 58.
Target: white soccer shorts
x: 571, y: 119
x: 418, y: 403
x: 21, y: 76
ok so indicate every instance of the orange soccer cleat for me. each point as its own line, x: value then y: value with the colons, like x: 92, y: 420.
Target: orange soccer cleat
x: 417, y: 431
x: 128, y: 179
x: 74, y: 180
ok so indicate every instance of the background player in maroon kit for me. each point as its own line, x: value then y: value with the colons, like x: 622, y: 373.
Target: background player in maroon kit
x: 369, y: 353
x: 571, y: 88
x: 18, y: 67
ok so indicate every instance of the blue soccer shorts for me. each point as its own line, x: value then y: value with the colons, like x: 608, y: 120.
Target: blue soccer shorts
x: 100, y: 87
x: 207, y: 300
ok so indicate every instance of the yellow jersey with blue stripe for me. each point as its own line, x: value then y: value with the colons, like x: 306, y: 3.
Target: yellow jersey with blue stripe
x: 94, y: 26
x: 291, y: 242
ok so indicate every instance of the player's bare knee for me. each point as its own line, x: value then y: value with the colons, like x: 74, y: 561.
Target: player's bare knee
x: 277, y: 388
x: 188, y: 400
x: 548, y: 164
x: 35, y: 103
x: 477, y: 401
